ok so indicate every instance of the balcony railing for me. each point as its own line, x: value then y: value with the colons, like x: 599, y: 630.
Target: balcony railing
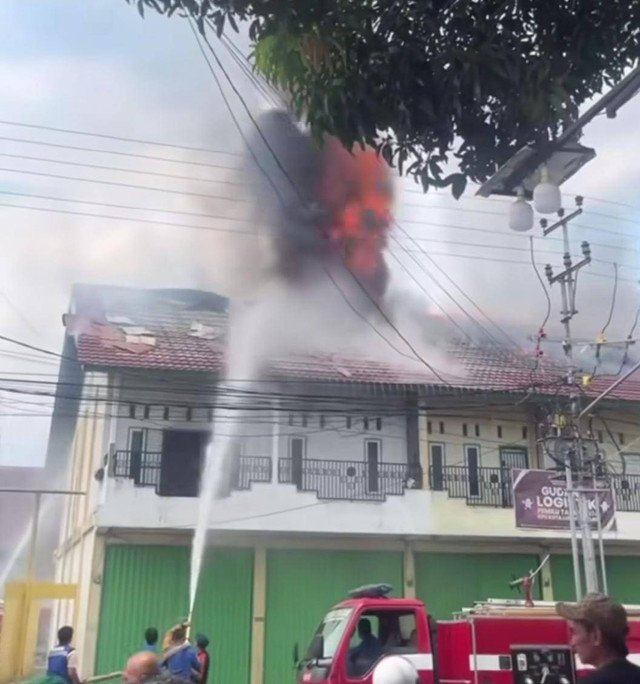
x: 626, y: 492
x: 145, y: 467
x: 479, y: 487
x: 348, y: 480
x: 493, y: 486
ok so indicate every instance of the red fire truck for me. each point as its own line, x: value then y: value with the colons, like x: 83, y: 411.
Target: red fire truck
x: 495, y: 642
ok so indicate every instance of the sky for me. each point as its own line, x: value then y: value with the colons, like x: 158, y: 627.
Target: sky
x: 98, y: 67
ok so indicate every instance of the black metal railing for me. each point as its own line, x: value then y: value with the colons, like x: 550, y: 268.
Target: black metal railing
x: 492, y: 486
x: 626, y: 492
x: 145, y: 468
x: 478, y: 486
x: 349, y: 480
x: 252, y: 469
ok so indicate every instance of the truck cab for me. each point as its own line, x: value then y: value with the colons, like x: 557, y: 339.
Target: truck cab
x: 357, y: 632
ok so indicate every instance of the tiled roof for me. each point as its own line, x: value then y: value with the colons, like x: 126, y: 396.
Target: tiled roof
x: 188, y: 334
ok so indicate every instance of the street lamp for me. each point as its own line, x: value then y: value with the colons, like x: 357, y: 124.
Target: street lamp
x: 546, y: 195
x: 520, y: 214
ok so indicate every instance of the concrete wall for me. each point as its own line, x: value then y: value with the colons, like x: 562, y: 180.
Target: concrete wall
x: 281, y: 508
x: 502, y: 428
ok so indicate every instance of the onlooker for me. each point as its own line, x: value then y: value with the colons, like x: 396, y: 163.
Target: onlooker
x: 150, y: 640
x: 203, y: 656
x: 598, y: 637
x: 140, y: 667
x: 180, y: 658
x: 63, y: 659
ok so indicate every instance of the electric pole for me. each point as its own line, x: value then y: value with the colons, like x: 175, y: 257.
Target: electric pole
x: 570, y: 445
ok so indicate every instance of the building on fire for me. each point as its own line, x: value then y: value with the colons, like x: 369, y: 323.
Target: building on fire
x: 347, y: 471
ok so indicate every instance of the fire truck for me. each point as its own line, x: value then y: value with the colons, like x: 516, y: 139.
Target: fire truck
x: 494, y: 642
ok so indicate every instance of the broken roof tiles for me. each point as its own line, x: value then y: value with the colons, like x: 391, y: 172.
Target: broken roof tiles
x: 192, y: 337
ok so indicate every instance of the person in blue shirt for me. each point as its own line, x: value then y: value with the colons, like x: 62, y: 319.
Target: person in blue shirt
x: 151, y: 640
x: 181, y: 658
x: 365, y: 654
x: 62, y: 660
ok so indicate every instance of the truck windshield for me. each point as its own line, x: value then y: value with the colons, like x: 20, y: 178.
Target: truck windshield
x: 331, y: 630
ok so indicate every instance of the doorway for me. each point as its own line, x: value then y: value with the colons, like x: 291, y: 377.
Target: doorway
x: 510, y: 458
x: 182, y: 455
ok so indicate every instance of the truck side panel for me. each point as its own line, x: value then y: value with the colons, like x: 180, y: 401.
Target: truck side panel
x: 454, y: 647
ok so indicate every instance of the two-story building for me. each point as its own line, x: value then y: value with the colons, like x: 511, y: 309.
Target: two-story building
x: 346, y: 471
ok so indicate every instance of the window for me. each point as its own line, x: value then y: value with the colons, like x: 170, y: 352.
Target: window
x: 365, y: 423
x: 291, y: 420
x: 631, y: 464
x: 147, y: 411
x: 429, y: 427
x: 348, y: 422
x: 182, y: 454
x: 499, y: 430
x: 373, y: 449
x: 165, y: 413
x: 525, y: 432
x: 441, y: 428
x: 472, y: 461
x: 137, y: 445
x: 305, y: 420
x: 132, y: 410
x: 477, y: 430
x: 189, y: 414
x: 437, y: 461
x: 296, y: 453
x: 392, y: 632
x: 465, y: 430
x: 378, y: 424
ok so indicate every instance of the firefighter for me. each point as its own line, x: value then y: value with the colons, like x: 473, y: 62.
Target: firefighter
x: 599, y: 631
x: 62, y: 660
x: 395, y: 670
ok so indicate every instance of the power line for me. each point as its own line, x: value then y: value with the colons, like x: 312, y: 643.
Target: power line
x: 410, y: 221
x: 365, y: 319
x: 429, y: 295
x: 279, y: 164
x: 240, y: 232
x: 230, y: 109
x: 108, y: 136
x: 102, y: 167
x: 288, y: 177
x: 477, y: 307
x: 225, y: 198
x: 136, y: 208
x: 133, y: 220
x: 114, y: 152
x: 189, y: 148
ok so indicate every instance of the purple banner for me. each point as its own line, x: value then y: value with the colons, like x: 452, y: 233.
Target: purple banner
x: 541, y: 502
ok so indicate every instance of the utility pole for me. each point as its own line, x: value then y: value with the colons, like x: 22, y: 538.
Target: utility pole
x: 572, y: 449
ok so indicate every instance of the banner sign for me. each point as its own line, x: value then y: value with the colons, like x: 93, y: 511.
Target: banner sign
x: 541, y: 502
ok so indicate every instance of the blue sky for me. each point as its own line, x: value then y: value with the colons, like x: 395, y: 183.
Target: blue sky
x: 97, y: 66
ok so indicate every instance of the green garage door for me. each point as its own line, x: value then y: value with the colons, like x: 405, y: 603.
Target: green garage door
x: 622, y: 578
x: 447, y: 582
x: 302, y: 585
x: 146, y: 586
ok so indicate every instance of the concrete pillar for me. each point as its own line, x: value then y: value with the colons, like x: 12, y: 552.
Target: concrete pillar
x: 95, y: 577
x: 408, y: 572
x: 259, y: 613
x: 423, y: 441
x: 546, y: 580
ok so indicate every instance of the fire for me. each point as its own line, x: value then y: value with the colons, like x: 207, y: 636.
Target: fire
x: 356, y: 192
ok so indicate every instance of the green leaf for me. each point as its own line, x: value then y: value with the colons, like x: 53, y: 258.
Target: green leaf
x: 458, y: 185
